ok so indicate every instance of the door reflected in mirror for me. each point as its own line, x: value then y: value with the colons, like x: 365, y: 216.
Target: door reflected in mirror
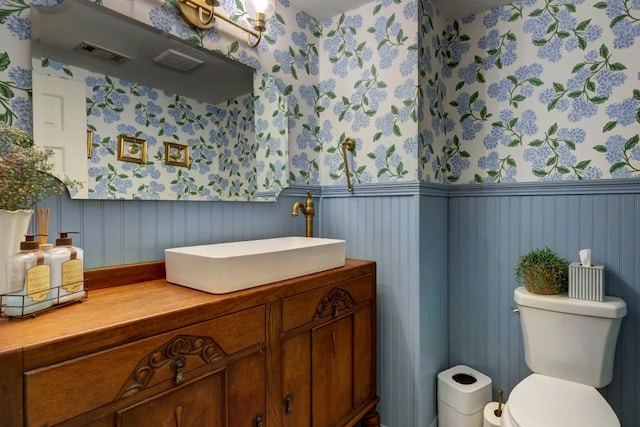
x: 233, y: 130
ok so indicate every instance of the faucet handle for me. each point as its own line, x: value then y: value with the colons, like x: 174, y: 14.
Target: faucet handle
x: 309, y: 201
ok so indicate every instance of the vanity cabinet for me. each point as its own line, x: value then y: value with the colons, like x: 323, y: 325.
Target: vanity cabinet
x: 327, y: 343
x: 297, y: 353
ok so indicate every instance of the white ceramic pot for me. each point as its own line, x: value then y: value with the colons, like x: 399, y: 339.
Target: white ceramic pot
x: 13, y: 225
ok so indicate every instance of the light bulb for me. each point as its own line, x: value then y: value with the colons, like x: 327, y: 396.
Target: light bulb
x: 266, y: 7
x: 261, y: 5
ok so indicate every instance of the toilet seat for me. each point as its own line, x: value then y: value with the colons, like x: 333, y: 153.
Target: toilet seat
x: 542, y: 401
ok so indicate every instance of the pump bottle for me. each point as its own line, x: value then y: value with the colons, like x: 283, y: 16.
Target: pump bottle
x: 29, y: 271
x: 67, y: 266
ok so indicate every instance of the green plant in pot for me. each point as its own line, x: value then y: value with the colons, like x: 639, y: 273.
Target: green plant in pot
x: 543, y: 272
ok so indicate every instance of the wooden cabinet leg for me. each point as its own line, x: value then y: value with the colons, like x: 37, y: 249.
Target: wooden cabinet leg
x: 371, y: 419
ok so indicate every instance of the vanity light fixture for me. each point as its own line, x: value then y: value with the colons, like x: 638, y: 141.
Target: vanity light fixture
x: 202, y: 14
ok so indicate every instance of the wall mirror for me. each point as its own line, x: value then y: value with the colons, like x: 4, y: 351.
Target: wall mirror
x: 102, y: 80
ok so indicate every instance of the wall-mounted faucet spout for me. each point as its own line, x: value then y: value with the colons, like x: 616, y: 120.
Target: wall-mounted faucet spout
x: 347, y: 144
x: 307, y: 210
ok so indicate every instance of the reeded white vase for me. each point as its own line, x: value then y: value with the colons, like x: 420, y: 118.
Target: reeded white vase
x: 13, y: 226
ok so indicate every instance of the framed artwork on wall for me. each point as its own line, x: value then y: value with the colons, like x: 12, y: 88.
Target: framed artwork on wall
x: 176, y: 154
x: 89, y: 143
x: 131, y: 149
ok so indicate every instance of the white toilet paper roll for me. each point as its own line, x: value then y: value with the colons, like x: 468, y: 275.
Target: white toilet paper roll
x: 490, y: 418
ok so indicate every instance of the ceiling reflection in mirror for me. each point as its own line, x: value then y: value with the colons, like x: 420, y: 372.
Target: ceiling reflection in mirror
x: 217, y: 131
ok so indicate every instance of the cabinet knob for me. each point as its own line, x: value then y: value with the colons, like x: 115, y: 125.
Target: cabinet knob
x: 258, y: 420
x: 178, y: 365
x: 288, y: 404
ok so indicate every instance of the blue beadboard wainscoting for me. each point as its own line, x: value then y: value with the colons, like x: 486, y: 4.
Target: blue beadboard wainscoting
x: 403, y: 229
x: 490, y: 227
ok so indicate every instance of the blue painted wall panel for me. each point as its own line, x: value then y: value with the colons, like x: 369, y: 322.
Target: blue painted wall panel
x: 487, y: 234
x: 92, y: 237
x: 385, y: 230
x: 113, y: 227
x: 433, y: 338
x: 148, y: 247
x: 407, y: 237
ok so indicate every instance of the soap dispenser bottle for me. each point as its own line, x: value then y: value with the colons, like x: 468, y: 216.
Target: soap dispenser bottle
x: 67, y: 268
x: 30, y: 271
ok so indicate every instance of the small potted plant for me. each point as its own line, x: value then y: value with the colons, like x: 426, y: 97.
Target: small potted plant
x: 543, y: 272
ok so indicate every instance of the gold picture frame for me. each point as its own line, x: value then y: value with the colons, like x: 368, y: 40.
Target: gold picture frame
x: 89, y: 144
x: 131, y: 149
x: 176, y: 154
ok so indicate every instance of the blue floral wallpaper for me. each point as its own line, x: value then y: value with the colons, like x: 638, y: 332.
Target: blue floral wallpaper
x: 536, y: 90
x: 369, y: 91
x: 434, y: 117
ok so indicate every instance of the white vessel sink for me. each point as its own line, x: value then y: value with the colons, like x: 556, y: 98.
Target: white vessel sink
x: 228, y: 267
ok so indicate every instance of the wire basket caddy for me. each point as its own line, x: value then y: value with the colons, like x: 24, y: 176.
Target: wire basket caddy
x: 26, y: 306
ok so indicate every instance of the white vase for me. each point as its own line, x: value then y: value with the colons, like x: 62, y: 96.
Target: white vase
x: 13, y: 226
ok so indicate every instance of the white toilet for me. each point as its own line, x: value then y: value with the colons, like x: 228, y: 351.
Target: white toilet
x: 569, y: 345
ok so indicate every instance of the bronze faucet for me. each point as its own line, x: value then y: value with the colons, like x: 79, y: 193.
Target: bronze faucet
x: 307, y: 210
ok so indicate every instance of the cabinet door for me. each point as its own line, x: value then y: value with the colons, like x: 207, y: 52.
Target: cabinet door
x: 194, y: 405
x: 296, y: 380
x: 327, y: 371
x: 332, y: 371
x: 328, y: 354
x: 234, y: 396
x: 246, y: 392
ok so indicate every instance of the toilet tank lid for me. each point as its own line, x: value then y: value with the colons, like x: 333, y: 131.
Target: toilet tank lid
x: 611, y: 307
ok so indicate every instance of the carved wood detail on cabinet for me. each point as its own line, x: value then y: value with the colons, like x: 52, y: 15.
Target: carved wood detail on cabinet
x: 172, y: 353
x: 296, y: 353
x: 229, y: 397
x: 334, y: 299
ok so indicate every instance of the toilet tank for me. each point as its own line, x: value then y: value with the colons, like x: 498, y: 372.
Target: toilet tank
x: 570, y: 338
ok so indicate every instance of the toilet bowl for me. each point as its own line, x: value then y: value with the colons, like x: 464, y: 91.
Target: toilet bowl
x: 543, y: 401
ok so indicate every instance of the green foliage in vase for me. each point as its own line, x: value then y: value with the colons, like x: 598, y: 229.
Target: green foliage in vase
x: 25, y: 171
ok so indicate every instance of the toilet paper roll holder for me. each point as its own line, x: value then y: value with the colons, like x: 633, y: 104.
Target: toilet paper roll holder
x: 498, y: 412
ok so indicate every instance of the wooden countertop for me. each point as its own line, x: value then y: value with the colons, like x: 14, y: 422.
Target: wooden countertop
x: 120, y: 314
